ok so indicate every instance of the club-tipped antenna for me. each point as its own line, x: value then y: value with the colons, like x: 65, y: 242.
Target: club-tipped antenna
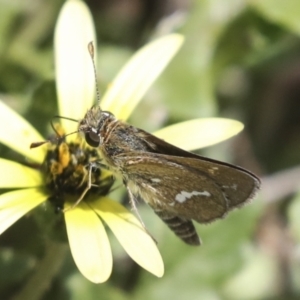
x: 92, y: 54
x: 58, y: 138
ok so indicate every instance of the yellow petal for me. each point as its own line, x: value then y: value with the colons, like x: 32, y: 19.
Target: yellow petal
x: 74, y: 70
x: 14, y: 175
x: 89, y: 243
x: 19, y: 134
x: 138, y: 74
x: 199, y: 133
x: 15, y: 204
x: 132, y: 236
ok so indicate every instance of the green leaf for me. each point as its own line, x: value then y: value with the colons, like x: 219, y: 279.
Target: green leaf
x: 293, y: 215
x: 285, y: 13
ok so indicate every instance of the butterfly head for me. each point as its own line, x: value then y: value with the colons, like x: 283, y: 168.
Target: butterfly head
x: 94, y: 125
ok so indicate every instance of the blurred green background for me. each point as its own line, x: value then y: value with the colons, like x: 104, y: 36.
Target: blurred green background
x: 241, y: 60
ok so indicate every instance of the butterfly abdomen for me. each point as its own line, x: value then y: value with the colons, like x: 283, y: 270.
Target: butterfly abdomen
x: 183, y: 228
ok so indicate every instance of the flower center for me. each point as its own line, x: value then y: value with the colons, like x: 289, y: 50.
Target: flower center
x: 69, y: 168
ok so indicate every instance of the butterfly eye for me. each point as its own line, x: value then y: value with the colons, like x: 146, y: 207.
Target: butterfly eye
x: 92, y: 138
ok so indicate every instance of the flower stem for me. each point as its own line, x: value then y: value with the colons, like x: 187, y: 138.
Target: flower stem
x: 45, y: 271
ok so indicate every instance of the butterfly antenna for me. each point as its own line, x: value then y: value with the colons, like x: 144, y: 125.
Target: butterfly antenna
x: 58, y: 138
x: 92, y: 54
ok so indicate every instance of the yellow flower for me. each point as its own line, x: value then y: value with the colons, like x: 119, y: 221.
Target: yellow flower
x: 75, y: 85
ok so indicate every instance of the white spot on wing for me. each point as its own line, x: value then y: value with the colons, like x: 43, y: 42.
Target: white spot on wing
x: 234, y: 186
x: 156, y: 180
x: 183, y: 195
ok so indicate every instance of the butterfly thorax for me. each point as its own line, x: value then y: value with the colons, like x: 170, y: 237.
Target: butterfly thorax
x: 112, y: 137
x: 121, y: 140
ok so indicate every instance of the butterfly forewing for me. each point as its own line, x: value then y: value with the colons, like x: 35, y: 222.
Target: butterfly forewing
x: 188, y: 187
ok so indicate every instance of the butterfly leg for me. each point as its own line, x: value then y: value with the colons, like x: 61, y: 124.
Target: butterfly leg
x: 89, y: 185
x: 134, y: 208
